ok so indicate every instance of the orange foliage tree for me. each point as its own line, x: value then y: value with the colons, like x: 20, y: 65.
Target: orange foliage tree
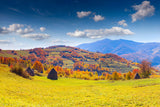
x: 38, y: 66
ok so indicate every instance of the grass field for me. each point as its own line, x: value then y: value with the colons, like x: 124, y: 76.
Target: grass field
x: 16, y: 91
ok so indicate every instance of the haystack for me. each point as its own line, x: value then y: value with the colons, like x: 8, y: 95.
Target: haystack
x: 30, y: 71
x: 137, y: 76
x: 52, y: 74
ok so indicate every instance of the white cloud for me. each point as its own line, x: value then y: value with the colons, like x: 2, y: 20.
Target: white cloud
x: 143, y: 10
x: 77, y: 33
x: 100, y: 33
x: 25, y: 31
x: 97, y: 18
x: 5, y: 42
x: 83, y: 14
x: 16, y: 28
x: 42, y: 29
x: 3, y: 30
x: 36, y: 36
x: 12, y: 28
x: 123, y: 23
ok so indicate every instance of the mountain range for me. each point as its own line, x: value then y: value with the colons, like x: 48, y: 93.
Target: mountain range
x: 135, y: 51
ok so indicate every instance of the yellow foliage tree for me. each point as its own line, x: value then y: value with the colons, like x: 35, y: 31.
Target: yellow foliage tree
x: 115, y: 75
x: 129, y: 75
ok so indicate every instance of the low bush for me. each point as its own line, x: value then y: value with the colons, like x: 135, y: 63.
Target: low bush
x: 19, y: 71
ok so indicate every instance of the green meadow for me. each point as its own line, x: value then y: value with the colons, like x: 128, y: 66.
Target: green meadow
x: 39, y: 91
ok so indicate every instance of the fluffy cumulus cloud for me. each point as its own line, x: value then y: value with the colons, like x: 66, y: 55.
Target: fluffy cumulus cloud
x: 42, y: 29
x: 100, y: 33
x: 77, y: 33
x: 12, y: 28
x: 36, y: 36
x: 143, y: 10
x: 97, y: 18
x: 83, y: 14
x: 24, y: 31
x: 16, y: 28
x: 5, y: 42
x: 123, y: 23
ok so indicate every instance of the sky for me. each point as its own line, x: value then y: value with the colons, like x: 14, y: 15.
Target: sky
x: 26, y: 24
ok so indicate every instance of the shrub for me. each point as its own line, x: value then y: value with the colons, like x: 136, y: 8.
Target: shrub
x: 94, y: 77
x: 85, y: 76
x: 60, y: 75
x: 19, y: 71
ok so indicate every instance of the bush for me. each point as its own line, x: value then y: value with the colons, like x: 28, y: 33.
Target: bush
x: 60, y: 75
x: 85, y: 76
x: 94, y: 78
x: 19, y: 71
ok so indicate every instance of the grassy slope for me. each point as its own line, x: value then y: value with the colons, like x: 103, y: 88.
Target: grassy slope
x: 17, y: 91
x: 7, y: 53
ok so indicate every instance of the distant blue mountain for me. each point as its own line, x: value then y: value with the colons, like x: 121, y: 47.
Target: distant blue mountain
x: 130, y: 50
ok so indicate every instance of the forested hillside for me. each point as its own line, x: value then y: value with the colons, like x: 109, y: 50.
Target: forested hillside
x: 73, y: 58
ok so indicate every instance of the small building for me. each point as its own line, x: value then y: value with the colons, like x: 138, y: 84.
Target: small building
x: 30, y: 71
x: 137, y: 76
x: 52, y: 74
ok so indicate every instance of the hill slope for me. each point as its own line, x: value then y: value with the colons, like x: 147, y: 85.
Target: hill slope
x: 66, y: 57
x: 16, y: 91
x: 130, y: 50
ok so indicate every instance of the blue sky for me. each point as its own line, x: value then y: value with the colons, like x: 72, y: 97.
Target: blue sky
x: 27, y: 24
